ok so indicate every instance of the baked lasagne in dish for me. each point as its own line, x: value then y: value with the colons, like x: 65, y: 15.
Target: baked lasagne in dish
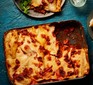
x: 46, y: 53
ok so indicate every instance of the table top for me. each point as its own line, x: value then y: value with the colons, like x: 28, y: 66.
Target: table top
x: 11, y: 17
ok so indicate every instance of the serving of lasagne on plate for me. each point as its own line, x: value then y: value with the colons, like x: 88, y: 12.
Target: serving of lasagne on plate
x: 40, y: 8
x: 46, y: 53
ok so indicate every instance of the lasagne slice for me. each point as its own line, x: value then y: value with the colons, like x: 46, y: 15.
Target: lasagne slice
x: 46, y: 5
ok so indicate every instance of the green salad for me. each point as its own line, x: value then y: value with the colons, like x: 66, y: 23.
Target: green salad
x: 24, y: 5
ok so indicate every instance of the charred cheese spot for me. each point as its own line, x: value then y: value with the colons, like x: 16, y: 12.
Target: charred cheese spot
x: 49, y: 58
x: 33, y: 39
x: 48, y: 69
x: 40, y: 9
x: 50, y: 1
x: 40, y: 59
x: 23, y: 51
x: 8, y: 65
x: 76, y: 63
x: 35, y: 45
x: 27, y: 72
x: 33, y: 82
x: 45, y: 51
x: 73, y: 52
x: 32, y: 35
x: 59, y: 54
x: 17, y: 61
x: 16, y: 67
x: 38, y: 64
x: 28, y: 41
x: 19, y: 43
x: 36, y: 27
x: 62, y: 72
x: 46, y: 28
x: 18, y: 77
x: 46, y: 38
x: 41, y: 73
x: 17, y: 64
x: 76, y: 71
x: 70, y: 73
x: 36, y: 77
x: 69, y: 61
x: 26, y: 47
x: 58, y: 62
x: 66, y: 58
x: 70, y: 65
x: 23, y: 32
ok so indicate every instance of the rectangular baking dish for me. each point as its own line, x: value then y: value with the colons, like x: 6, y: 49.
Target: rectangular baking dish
x: 72, y: 42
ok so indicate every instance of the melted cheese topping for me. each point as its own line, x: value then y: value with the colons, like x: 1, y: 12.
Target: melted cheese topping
x: 36, y: 3
x: 33, y: 55
x: 54, y: 6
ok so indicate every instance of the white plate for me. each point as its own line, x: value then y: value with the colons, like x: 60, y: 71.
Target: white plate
x: 36, y: 14
x: 90, y: 31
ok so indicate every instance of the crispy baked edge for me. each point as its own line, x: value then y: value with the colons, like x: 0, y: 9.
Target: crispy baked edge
x: 10, y: 79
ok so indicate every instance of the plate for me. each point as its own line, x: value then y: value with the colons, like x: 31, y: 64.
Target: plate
x: 34, y: 14
x: 90, y: 31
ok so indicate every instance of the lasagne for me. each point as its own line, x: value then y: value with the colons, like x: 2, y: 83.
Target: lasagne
x: 44, y: 6
x: 45, y: 53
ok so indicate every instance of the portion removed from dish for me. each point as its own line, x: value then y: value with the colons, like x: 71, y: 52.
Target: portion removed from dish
x: 46, y: 53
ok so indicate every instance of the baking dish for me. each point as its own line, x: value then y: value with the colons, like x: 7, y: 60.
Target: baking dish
x: 60, y: 50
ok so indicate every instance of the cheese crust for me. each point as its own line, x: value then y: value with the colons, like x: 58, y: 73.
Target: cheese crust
x: 46, y: 5
x: 35, y: 55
